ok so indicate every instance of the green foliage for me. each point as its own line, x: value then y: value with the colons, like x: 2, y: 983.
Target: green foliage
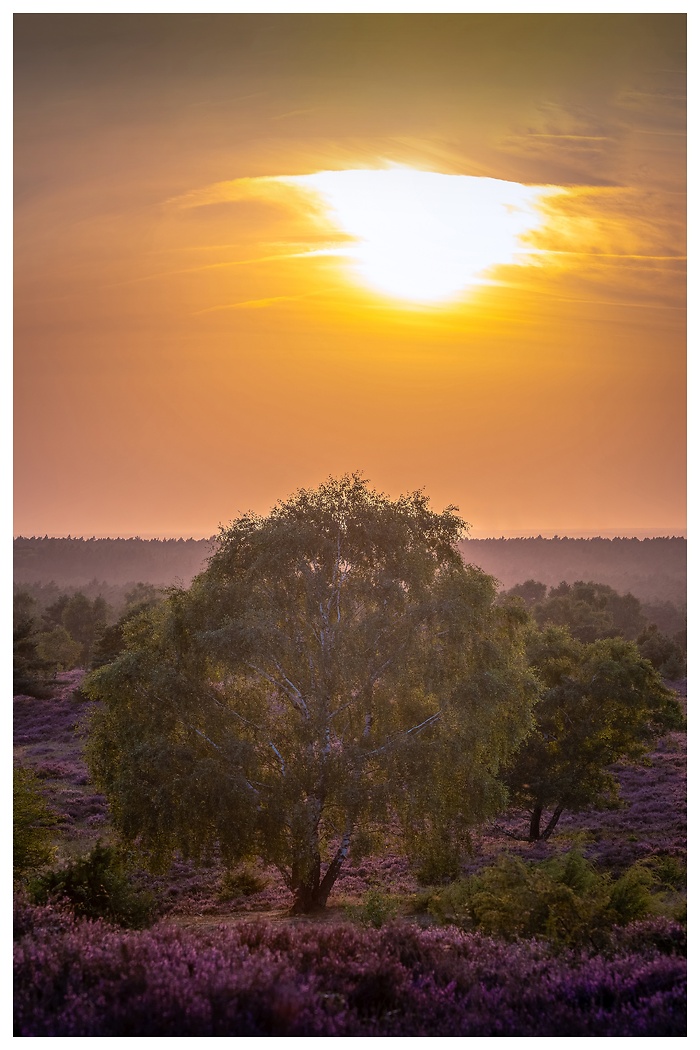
x: 670, y: 872
x: 84, y: 620
x: 97, y: 886
x: 591, y: 611
x: 32, y: 825
x: 376, y: 909
x: 631, y: 894
x: 142, y: 596
x: 112, y: 640
x: 662, y: 652
x: 29, y: 670
x: 335, y: 662
x: 563, y: 899
x: 58, y: 650
x: 437, y: 859
x: 530, y: 591
x: 241, y: 881
x: 601, y: 702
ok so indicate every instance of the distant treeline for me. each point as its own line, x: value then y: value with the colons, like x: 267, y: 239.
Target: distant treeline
x: 654, y: 570
x: 75, y: 562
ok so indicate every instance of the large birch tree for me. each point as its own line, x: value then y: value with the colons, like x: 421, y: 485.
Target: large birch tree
x: 335, y: 669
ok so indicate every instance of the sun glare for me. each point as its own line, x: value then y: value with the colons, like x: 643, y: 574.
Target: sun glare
x: 425, y: 236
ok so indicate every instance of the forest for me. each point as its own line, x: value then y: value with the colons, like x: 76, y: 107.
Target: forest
x: 652, y: 569
x: 345, y: 782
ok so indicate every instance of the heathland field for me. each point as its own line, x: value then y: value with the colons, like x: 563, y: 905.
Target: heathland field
x: 216, y: 952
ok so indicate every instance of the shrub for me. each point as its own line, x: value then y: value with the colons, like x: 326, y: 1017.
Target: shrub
x: 376, y: 909
x: 32, y: 824
x: 97, y: 887
x: 564, y: 899
x: 241, y: 881
x: 630, y: 895
x: 670, y: 872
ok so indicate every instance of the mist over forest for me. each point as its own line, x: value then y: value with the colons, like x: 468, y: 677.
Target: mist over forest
x: 653, y: 569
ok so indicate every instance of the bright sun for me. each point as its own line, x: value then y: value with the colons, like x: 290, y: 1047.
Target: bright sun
x: 421, y: 235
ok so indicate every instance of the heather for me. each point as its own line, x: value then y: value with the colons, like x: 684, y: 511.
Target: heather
x: 225, y: 958
x: 80, y: 978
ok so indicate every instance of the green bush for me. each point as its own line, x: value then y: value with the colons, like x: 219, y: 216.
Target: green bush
x: 437, y: 860
x: 564, y: 899
x: 32, y: 824
x: 376, y: 909
x: 670, y: 872
x: 241, y: 881
x: 630, y: 895
x: 97, y: 886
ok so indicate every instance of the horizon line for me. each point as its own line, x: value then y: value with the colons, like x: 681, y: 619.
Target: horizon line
x: 567, y: 534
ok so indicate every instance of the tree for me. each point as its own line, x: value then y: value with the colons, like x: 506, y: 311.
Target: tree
x: 28, y: 668
x: 662, y: 652
x: 58, y: 650
x: 112, y: 640
x: 84, y: 620
x: 33, y: 821
x: 601, y: 703
x: 530, y: 591
x: 590, y: 611
x: 142, y: 596
x: 336, y: 665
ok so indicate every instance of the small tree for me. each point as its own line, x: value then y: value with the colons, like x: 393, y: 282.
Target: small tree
x: 33, y: 821
x: 28, y: 668
x: 335, y: 664
x: 84, y: 620
x: 601, y: 702
x: 58, y: 650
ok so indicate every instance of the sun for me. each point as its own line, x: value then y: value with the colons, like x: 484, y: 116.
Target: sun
x: 421, y: 235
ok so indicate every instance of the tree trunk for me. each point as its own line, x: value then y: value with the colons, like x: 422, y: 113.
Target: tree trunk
x: 535, y: 824
x: 333, y: 870
x: 311, y: 892
x: 552, y: 822
x: 306, y: 863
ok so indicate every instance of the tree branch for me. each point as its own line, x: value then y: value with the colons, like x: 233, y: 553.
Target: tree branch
x: 404, y: 733
x: 290, y: 690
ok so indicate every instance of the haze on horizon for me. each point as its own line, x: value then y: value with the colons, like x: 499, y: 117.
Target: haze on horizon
x: 212, y: 310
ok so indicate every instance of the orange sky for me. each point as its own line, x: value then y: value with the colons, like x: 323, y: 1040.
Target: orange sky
x: 181, y: 356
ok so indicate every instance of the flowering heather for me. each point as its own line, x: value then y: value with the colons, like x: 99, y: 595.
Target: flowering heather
x: 75, y: 978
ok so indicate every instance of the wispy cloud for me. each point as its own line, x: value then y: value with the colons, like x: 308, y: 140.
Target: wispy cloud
x: 250, y: 304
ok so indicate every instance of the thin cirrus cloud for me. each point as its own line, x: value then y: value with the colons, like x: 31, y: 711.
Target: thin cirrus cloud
x: 593, y: 242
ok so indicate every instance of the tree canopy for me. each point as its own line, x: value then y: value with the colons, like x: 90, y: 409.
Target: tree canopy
x: 589, y: 610
x: 601, y: 702
x: 336, y: 668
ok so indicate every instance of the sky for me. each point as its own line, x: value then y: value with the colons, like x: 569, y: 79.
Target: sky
x: 253, y: 251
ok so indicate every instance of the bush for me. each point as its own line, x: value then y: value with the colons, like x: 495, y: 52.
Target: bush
x: 241, y: 881
x: 97, y: 887
x: 376, y: 909
x: 564, y: 899
x: 32, y: 824
x: 630, y: 895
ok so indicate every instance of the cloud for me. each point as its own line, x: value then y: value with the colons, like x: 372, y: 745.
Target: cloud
x: 250, y: 304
